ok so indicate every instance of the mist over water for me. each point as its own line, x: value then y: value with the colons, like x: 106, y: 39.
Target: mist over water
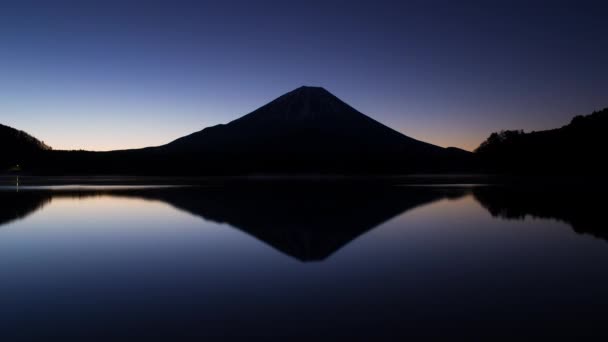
x: 300, y: 260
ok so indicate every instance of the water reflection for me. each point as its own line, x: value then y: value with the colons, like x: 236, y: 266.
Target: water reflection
x: 582, y: 209
x: 151, y: 262
x: 310, y: 222
x: 14, y: 206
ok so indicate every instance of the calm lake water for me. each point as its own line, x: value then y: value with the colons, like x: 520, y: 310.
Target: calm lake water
x: 301, y: 261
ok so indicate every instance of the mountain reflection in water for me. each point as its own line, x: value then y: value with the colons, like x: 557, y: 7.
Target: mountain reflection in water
x: 431, y: 261
x: 311, y: 222
x: 306, y: 222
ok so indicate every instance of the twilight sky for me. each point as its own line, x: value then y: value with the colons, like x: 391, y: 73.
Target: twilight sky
x: 104, y: 75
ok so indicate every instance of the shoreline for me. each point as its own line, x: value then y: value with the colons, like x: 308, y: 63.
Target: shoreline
x: 414, y: 179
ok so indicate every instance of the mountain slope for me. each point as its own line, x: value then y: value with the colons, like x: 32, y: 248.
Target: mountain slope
x: 18, y: 147
x: 576, y: 148
x: 310, y: 130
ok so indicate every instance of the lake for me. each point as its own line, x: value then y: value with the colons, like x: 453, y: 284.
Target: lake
x: 303, y: 260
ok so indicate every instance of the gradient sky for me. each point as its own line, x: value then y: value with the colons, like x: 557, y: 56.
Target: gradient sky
x: 107, y: 75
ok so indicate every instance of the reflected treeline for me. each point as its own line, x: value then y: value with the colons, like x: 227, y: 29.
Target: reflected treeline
x: 312, y: 221
x: 14, y: 206
x: 581, y: 208
x: 306, y: 221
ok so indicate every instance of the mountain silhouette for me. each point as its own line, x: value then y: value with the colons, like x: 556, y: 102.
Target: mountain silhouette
x: 310, y: 130
x: 576, y: 148
x: 306, y: 131
x: 305, y: 119
x: 18, y: 147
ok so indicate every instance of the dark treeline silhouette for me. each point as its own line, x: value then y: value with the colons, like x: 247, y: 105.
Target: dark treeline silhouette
x: 17, y: 147
x: 577, y: 148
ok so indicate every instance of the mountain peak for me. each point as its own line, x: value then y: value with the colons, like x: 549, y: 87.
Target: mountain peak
x: 305, y: 103
x: 310, y: 89
x: 309, y: 93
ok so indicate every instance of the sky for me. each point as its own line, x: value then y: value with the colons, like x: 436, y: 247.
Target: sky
x: 103, y: 75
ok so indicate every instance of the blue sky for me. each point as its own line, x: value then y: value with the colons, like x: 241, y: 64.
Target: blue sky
x: 109, y: 75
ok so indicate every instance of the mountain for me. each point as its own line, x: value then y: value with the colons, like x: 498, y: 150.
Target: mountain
x: 309, y: 130
x: 306, y: 131
x: 18, y: 148
x: 576, y: 148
